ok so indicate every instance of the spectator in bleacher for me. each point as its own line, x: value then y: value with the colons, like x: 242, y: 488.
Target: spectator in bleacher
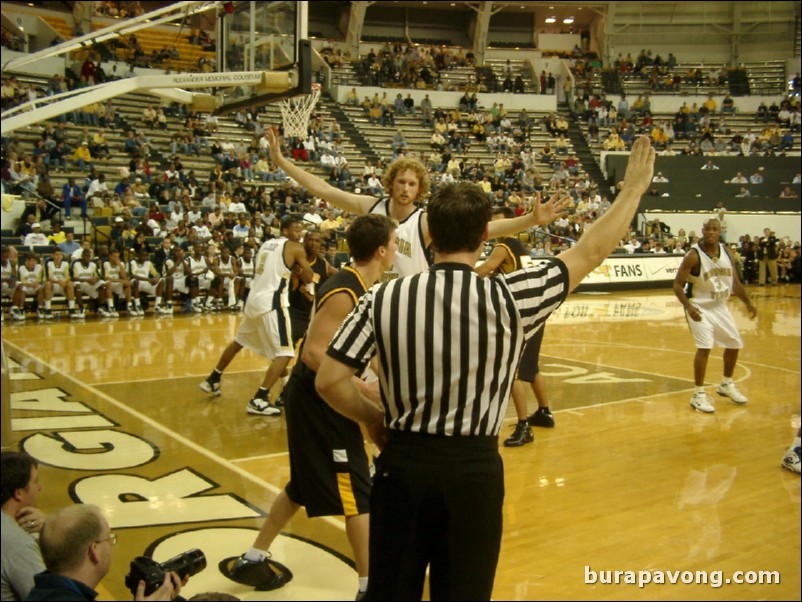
x: 82, y: 157
x: 774, y: 111
x: 786, y: 141
x: 36, y: 238
x: 161, y: 119
x: 68, y: 244
x: 122, y: 186
x: 710, y: 166
x: 149, y: 116
x: 613, y: 142
x: 426, y: 111
x: 794, y: 120
x: 72, y: 195
x: 45, y: 189
x: 788, y: 193
x: 388, y: 115
x: 757, y: 177
x: 98, y: 189
x: 237, y: 206
x: 707, y: 146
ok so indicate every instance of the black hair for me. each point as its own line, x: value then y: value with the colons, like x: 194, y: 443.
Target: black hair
x: 367, y: 233
x: 458, y: 215
x: 15, y: 468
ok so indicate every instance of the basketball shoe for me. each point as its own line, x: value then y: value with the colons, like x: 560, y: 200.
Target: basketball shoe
x: 791, y: 460
x: 263, y: 575
x: 730, y: 390
x: 520, y: 436
x: 700, y: 402
x: 542, y: 417
x: 262, y: 407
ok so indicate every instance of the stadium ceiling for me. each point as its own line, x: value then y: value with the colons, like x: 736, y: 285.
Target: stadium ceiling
x: 582, y: 13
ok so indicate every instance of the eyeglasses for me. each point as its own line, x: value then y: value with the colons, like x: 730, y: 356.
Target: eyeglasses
x: 112, y: 538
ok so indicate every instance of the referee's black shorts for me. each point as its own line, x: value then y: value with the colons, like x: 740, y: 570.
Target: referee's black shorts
x: 329, y: 470
x: 529, y: 366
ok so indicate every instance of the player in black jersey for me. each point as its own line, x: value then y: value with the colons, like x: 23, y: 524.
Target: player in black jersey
x: 509, y: 255
x: 328, y: 465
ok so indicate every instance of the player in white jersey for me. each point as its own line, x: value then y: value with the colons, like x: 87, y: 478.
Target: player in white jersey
x: 226, y: 278
x: 145, y: 279
x: 175, y: 277
x: 705, y: 280
x: 8, y: 278
x: 265, y: 327
x: 196, y: 268
x: 116, y: 283
x: 247, y: 270
x: 407, y: 182
x: 87, y: 281
x: 30, y: 282
x: 57, y: 282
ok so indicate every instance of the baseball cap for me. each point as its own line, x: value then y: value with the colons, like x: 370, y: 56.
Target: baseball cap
x: 118, y: 220
x: 35, y: 225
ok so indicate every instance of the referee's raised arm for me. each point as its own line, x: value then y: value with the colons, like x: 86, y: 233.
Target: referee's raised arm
x: 602, y: 237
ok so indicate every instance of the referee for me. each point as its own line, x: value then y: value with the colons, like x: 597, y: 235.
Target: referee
x: 448, y: 343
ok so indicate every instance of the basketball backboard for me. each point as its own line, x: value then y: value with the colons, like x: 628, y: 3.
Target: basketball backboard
x: 268, y: 37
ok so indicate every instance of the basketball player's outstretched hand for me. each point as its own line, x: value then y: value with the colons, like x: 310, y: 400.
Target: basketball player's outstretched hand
x: 274, y: 145
x: 555, y: 208
x: 640, y: 167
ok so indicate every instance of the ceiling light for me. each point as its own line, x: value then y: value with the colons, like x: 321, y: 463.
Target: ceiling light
x: 551, y: 20
x: 568, y: 20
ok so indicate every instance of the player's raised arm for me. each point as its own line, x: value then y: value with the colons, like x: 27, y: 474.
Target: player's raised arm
x: 354, y: 203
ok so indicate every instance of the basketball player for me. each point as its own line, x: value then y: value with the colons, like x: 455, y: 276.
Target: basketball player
x: 705, y: 280
x: 329, y: 471
x: 87, y: 280
x: 57, y: 282
x: 302, y: 296
x: 408, y: 183
x: 116, y: 282
x: 265, y: 327
x: 9, y: 279
x: 30, y: 281
x: 145, y: 279
x: 508, y: 256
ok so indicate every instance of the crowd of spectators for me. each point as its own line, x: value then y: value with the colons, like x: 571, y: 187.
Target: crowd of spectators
x: 692, y: 130
x: 413, y: 66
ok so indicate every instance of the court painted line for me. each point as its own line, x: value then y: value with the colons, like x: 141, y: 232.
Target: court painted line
x: 169, y: 433
x: 263, y: 457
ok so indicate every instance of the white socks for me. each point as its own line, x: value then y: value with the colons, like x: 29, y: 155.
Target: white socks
x: 256, y: 555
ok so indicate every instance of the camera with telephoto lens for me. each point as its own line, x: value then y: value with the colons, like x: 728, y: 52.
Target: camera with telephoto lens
x: 152, y: 573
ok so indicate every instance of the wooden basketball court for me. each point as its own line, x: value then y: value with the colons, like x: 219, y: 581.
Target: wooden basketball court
x: 631, y: 479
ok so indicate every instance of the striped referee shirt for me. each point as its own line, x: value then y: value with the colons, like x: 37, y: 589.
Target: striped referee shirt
x: 449, y: 342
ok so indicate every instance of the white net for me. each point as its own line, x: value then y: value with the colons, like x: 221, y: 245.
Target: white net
x: 295, y: 113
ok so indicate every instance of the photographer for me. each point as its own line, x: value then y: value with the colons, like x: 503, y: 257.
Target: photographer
x: 76, y: 544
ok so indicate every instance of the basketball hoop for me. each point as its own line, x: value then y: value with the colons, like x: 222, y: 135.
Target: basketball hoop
x: 295, y: 113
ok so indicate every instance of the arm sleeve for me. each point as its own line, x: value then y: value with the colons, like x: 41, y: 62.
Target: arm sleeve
x: 20, y: 564
x: 538, y: 291
x: 355, y: 342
